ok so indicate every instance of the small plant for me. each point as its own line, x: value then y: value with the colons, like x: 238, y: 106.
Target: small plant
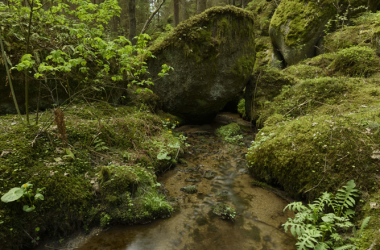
x: 168, y: 125
x: 224, y: 211
x: 100, y: 145
x: 316, y: 228
x: 24, y: 193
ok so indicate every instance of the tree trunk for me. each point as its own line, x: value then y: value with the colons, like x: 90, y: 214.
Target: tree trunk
x: 233, y: 2
x: 201, y: 6
x: 132, y: 20
x: 243, y: 4
x: 184, y: 16
x: 176, y: 12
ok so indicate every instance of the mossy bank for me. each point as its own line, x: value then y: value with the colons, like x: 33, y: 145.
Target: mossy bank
x: 104, y: 174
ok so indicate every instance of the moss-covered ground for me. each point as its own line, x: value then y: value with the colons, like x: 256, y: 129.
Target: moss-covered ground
x: 104, y: 174
x: 323, y: 129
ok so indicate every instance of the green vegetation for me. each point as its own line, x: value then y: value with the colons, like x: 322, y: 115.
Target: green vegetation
x: 107, y: 176
x: 225, y: 211
x: 231, y: 133
x: 315, y: 227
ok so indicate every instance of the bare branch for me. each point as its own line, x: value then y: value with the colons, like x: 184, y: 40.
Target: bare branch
x: 158, y: 7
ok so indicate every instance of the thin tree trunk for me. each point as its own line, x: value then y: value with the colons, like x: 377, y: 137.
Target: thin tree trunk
x: 26, y: 71
x: 176, y: 12
x: 9, y: 77
x: 184, y: 16
x: 233, y: 2
x: 243, y: 4
x: 132, y: 20
x: 146, y: 25
x: 201, y: 6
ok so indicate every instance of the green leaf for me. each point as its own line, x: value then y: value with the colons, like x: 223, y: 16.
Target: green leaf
x: 39, y: 197
x: 28, y: 209
x: 12, y: 195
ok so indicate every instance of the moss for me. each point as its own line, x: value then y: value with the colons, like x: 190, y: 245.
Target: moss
x: 363, y: 32
x: 302, y: 71
x: 229, y: 130
x: 241, y: 108
x: 185, y: 30
x: 369, y: 207
x: 355, y: 61
x: 265, y: 84
x: 301, y: 17
x: 320, y: 132
x: 97, y: 134
x: 263, y: 51
x: 263, y: 11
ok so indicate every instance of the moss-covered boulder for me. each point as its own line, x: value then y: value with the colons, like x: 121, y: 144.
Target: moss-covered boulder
x: 213, y: 55
x: 319, y: 134
x: 297, y: 26
x: 263, y: 11
x: 265, y: 84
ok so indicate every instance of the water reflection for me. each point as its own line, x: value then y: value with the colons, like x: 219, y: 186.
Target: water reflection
x: 194, y: 225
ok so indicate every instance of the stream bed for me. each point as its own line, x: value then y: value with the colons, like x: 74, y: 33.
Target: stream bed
x: 219, y: 172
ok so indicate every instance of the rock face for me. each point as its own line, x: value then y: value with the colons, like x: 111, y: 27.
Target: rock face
x: 297, y: 27
x: 213, y: 55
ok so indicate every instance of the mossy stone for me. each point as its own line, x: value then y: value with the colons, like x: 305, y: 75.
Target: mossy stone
x: 213, y: 55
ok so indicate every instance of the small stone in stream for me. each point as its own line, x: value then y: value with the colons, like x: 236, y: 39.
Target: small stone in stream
x: 192, y: 180
x: 243, y: 171
x: 190, y: 169
x: 189, y: 189
x: 182, y: 161
x: 219, y: 178
x: 209, y: 175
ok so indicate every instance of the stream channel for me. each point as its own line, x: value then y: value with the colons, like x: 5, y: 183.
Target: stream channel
x: 218, y: 170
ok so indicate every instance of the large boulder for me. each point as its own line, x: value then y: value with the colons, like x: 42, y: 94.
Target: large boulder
x: 213, y: 55
x: 297, y: 26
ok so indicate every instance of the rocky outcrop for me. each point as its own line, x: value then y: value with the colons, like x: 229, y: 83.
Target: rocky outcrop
x: 297, y: 27
x: 213, y: 55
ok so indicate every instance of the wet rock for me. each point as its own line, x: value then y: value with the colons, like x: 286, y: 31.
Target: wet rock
x: 192, y: 180
x: 243, y: 171
x: 191, y: 189
x: 213, y: 55
x: 190, y: 169
x: 209, y: 175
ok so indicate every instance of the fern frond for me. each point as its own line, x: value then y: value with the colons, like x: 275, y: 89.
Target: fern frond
x: 321, y: 246
x: 296, y: 228
x: 344, y: 198
x: 308, y: 239
x: 296, y: 206
x: 349, y: 246
x: 364, y: 225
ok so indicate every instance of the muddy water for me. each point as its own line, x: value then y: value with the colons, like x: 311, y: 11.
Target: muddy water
x: 194, y: 225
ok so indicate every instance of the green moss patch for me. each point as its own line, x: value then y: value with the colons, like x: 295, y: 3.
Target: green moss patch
x: 106, y: 175
x: 265, y: 84
x: 355, y: 61
x: 319, y: 133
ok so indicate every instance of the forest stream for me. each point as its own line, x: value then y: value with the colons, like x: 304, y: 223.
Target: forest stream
x: 218, y: 170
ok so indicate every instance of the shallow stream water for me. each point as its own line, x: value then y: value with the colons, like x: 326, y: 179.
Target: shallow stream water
x: 257, y: 224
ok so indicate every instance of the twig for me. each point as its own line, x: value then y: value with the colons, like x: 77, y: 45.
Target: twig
x: 315, y: 186
x: 298, y: 106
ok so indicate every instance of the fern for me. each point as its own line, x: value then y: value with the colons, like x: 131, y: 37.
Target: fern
x: 308, y: 239
x: 349, y: 246
x: 344, y: 198
x: 364, y: 225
